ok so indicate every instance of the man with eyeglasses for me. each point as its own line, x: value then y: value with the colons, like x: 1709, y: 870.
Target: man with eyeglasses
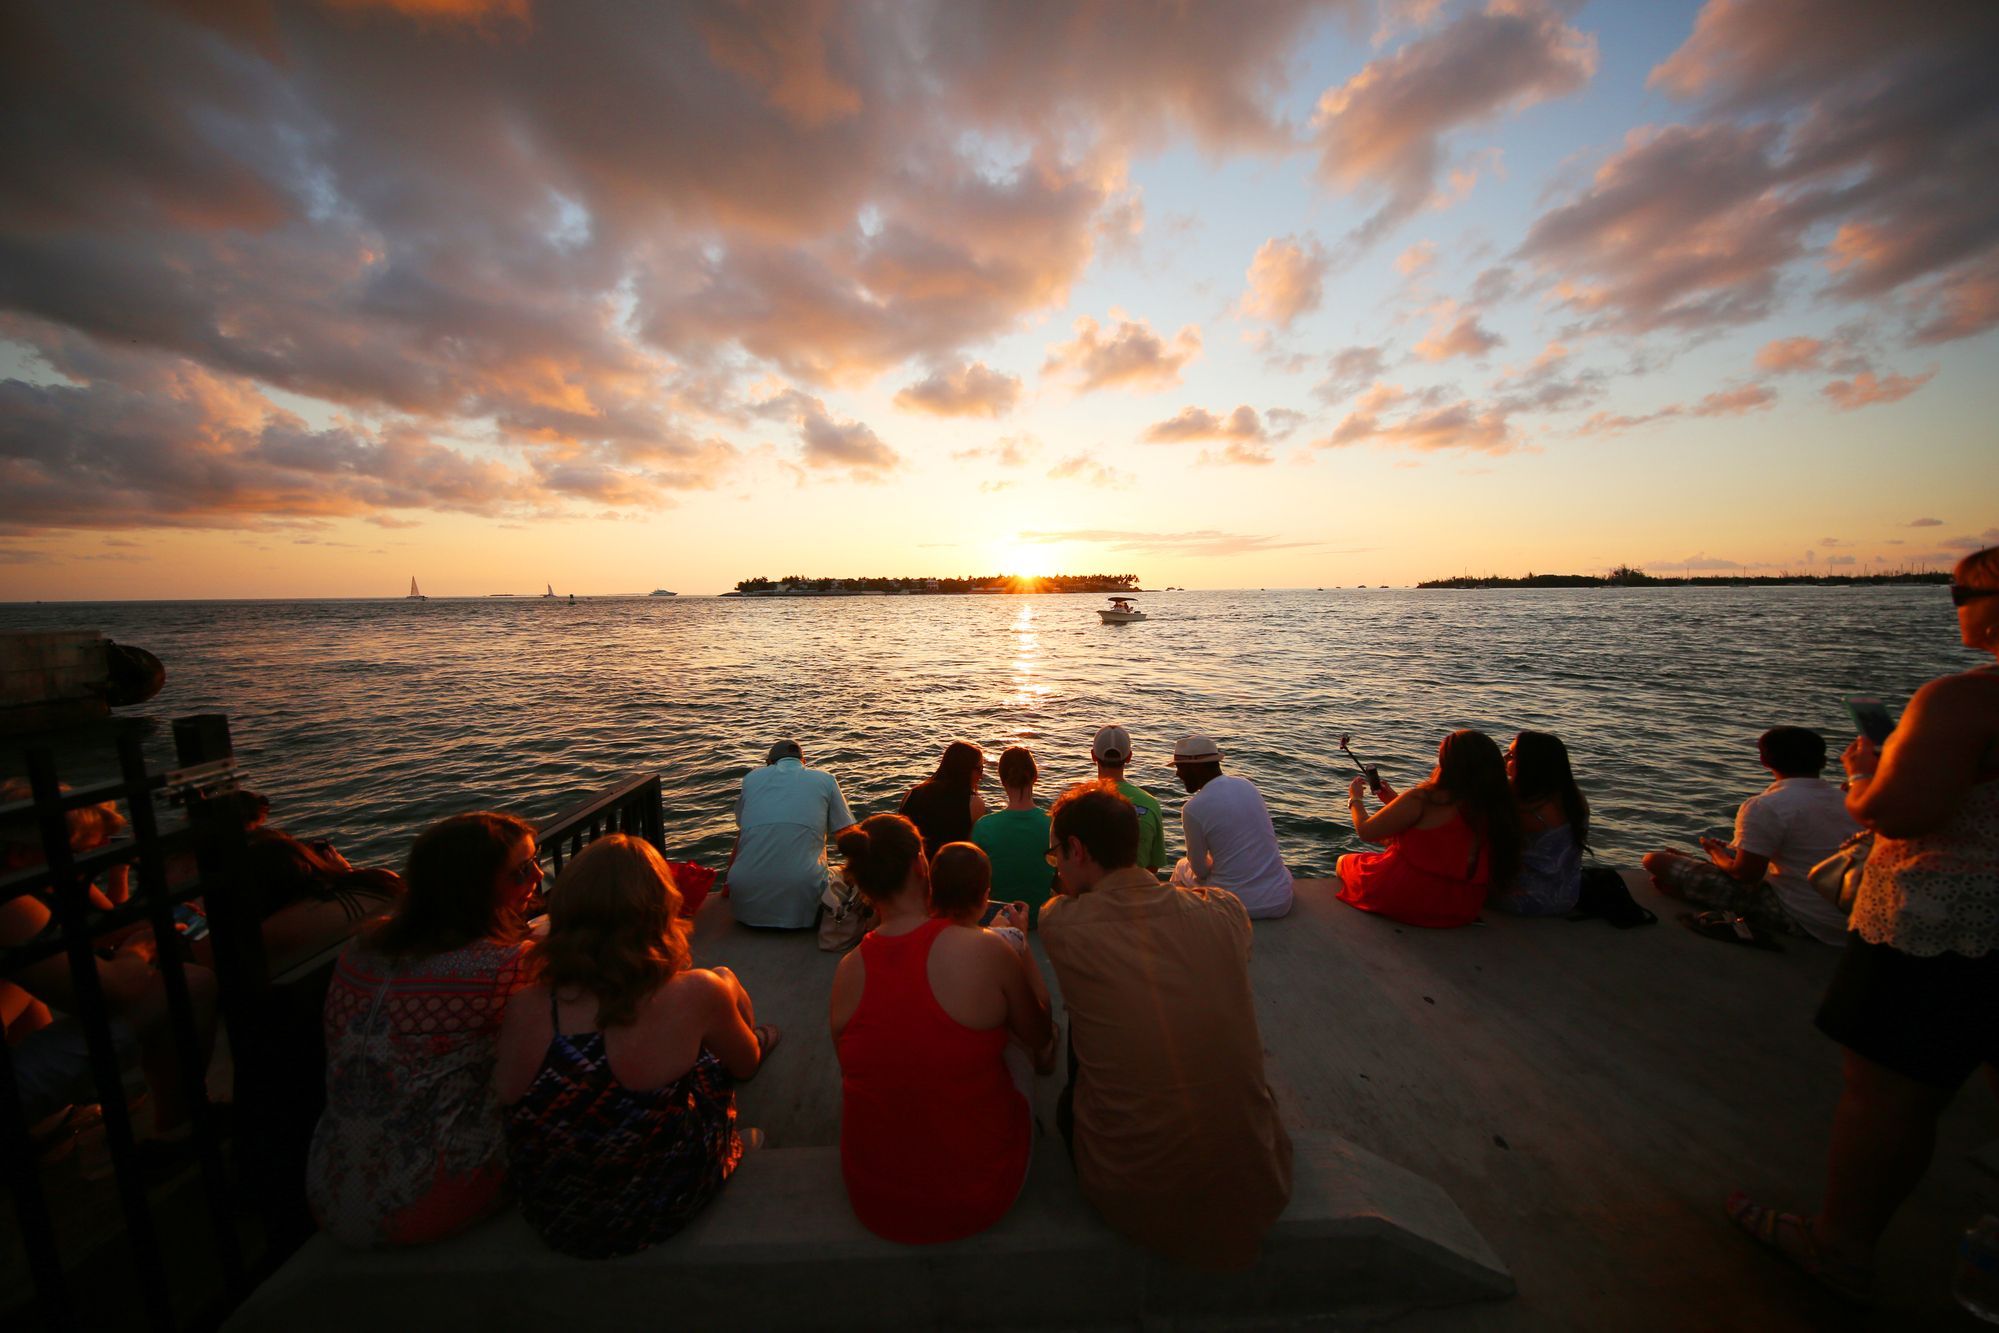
x: 1168, y: 1116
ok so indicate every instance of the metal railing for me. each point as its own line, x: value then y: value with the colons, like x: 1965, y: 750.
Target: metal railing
x: 273, y: 1040
x: 633, y: 806
x: 62, y: 884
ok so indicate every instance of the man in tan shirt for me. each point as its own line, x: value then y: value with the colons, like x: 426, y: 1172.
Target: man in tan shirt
x: 1170, y: 1123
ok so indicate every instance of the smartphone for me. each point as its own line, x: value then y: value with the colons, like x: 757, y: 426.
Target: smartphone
x: 1373, y: 773
x: 1871, y: 716
x: 993, y: 911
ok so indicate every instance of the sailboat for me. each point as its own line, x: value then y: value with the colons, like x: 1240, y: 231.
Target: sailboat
x: 414, y: 595
x: 550, y: 592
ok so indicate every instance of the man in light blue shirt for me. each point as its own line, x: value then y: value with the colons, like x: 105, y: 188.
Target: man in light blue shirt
x: 784, y: 813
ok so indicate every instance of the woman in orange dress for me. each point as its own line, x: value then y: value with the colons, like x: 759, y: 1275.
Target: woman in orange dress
x: 1446, y: 840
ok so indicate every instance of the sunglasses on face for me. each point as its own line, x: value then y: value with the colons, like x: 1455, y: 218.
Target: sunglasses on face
x: 1961, y: 593
x: 524, y: 873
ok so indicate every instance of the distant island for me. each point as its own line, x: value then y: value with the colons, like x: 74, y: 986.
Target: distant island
x: 797, y: 585
x: 1624, y: 576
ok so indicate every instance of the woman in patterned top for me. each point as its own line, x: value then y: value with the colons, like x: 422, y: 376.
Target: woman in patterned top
x: 1916, y: 999
x: 618, y: 1065
x: 411, y: 1147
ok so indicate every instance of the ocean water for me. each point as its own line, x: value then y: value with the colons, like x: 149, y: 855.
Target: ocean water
x: 365, y: 720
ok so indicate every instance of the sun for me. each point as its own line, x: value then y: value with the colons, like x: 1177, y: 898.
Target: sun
x: 1028, y: 559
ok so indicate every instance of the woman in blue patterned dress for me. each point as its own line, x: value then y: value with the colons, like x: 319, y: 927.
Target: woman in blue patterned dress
x: 1554, y: 828
x: 618, y: 1065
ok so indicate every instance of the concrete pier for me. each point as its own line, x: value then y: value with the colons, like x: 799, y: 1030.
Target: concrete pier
x: 1580, y: 1099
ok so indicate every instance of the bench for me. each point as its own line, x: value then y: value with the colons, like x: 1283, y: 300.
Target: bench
x: 781, y: 1248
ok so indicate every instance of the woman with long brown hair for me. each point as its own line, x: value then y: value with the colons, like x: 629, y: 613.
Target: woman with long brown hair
x: 618, y: 1065
x: 411, y: 1147
x: 1447, y: 839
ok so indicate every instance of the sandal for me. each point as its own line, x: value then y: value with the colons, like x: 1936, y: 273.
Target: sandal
x: 1791, y: 1236
x: 767, y: 1038
x: 1729, y: 928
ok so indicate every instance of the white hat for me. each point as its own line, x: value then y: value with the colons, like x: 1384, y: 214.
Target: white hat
x: 1195, y: 749
x: 1112, y: 746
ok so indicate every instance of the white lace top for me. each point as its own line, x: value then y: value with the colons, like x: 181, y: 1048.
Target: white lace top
x: 1937, y: 891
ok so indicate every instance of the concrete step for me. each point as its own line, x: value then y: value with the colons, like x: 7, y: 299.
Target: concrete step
x: 780, y: 1248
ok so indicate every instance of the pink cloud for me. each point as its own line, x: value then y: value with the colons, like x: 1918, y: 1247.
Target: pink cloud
x: 1465, y: 337
x: 1787, y: 355
x: 1090, y: 471
x: 1384, y: 128
x: 1865, y: 390
x: 1286, y: 279
x: 1347, y: 370
x: 1132, y: 357
x: 1196, y: 423
x: 975, y: 390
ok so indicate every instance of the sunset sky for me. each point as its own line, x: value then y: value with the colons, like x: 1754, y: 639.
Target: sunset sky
x: 303, y: 299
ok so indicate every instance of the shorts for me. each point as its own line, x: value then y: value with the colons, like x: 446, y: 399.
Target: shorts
x: 1930, y: 1019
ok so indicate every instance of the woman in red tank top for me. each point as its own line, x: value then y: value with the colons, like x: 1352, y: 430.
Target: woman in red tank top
x: 934, y: 1137
x: 1449, y: 839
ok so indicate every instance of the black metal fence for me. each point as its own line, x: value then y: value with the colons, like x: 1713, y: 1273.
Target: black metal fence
x: 183, y: 1251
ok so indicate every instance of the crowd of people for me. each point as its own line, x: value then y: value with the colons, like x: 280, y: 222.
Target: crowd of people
x: 582, y: 1065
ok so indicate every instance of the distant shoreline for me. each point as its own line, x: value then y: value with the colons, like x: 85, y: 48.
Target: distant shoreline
x: 1119, y: 585
x: 1638, y: 578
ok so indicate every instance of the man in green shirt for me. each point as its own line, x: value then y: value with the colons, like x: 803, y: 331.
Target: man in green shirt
x: 1112, y: 751
x: 1015, y: 839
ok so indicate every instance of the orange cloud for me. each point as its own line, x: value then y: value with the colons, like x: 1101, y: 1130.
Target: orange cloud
x: 1286, y: 280
x: 975, y: 390
x: 1466, y: 337
x: 1132, y: 357
x: 1785, y: 355
x: 1196, y: 423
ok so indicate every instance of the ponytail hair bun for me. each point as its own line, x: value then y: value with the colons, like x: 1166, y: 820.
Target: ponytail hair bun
x: 879, y: 855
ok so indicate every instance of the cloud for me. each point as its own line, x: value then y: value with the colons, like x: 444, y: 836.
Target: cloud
x: 1083, y: 468
x: 1348, y: 371
x: 1864, y: 390
x: 975, y: 390
x: 1783, y: 356
x: 1384, y: 128
x: 1286, y: 279
x: 1281, y: 423
x: 1926, y: 523
x: 1195, y: 423
x: 1202, y: 542
x: 1417, y: 260
x: 1236, y: 455
x: 1465, y: 337
x: 1007, y: 451
x: 1132, y: 357
x: 1847, y: 121
x: 1721, y: 403
x: 847, y: 446
x: 1989, y: 537
x: 1460, y: 425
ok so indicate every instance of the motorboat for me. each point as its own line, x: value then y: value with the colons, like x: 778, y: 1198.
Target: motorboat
x: 1120, y: 612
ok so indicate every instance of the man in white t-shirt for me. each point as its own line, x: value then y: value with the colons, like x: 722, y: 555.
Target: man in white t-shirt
x: 1780, y: 834
x: 1231, y: 843
x: 785, y: 813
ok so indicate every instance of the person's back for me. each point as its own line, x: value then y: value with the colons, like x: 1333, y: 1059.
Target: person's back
x: 617, y: 1068
x: 785, y: 812
x: 1232, y: 844
x: 1017, y: 842
x: 1176, y: 1137
x: 1112, y: 751
x: 1796, y: 823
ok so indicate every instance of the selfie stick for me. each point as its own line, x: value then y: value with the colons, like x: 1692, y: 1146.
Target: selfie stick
x: 1368, y: 771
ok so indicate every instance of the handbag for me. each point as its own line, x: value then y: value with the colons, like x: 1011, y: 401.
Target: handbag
x: 1837, y: 878
x: 844, y: 916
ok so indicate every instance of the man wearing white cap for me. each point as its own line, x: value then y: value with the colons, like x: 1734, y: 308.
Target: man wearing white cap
x: 1112, y: 751
x: 785, y: 813
x: 1231, y: 843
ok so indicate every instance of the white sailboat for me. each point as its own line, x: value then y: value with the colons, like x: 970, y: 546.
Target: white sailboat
x: 550, y: 592
x: 414, y: 595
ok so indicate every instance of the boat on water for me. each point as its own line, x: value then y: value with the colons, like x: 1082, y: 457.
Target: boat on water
x: 414, y: 595
x: 1120, y: 612
x: 550, y: 592
x: 661, y: 592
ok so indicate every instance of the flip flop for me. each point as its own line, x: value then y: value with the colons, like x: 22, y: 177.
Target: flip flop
x: 1791, y: 1236
x: 1729, y: 929
x: 768, y: 1037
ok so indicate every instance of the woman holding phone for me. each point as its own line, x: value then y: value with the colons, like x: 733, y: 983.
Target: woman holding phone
x: 1915, y: 1001
x: 1447, y: 839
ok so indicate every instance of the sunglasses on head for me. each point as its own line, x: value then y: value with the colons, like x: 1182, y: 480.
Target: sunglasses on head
x: 1961, y: 593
